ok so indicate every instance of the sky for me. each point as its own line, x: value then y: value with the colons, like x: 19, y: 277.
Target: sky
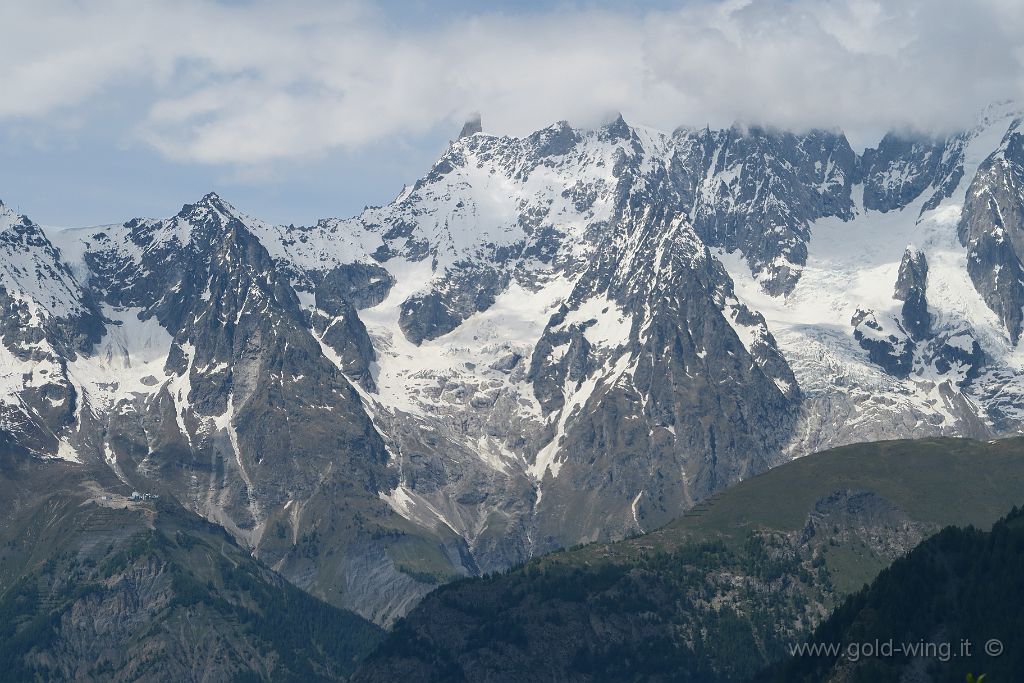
x: 296, y: 111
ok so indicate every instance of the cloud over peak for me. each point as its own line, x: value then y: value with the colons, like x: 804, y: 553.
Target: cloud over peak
x: 249, y: 84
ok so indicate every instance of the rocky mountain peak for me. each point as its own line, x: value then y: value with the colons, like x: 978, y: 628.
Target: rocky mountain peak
x: 555, y: 140
x: 472, y: 126
x: 211, y: 206
x: 212, y: 199
x: 31, y: 268
x: 8, y: 216
x: 208, y: 225
x: 616, y: 129
x: 21, y: 234
x: 911, y: 285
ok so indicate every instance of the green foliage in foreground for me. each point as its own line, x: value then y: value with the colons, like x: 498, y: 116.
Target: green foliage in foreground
x: 660, y: 618
x: 960, y: 586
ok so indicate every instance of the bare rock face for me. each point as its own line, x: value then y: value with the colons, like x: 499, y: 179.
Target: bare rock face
x: 887, y: 343
x: 899, y: 170
x: 867, y: 517
x: 468, y: 288
x: 911, y: 288
x: 991, y: 229
x: 472, y: 126
x: 638, y: 411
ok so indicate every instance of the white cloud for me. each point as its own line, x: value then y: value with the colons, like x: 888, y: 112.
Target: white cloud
x: 251, y: 83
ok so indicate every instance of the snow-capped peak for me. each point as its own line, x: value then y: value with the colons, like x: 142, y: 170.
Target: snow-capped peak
x: 7, y: 216
x: 31, y: 268
x: 211, y: 206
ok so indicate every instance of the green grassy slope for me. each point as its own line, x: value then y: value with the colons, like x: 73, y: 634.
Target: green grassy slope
x: 717, y: 594
x: 940, y: 481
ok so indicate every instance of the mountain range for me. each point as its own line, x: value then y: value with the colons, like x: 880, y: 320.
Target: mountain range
x: 568, y: 337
